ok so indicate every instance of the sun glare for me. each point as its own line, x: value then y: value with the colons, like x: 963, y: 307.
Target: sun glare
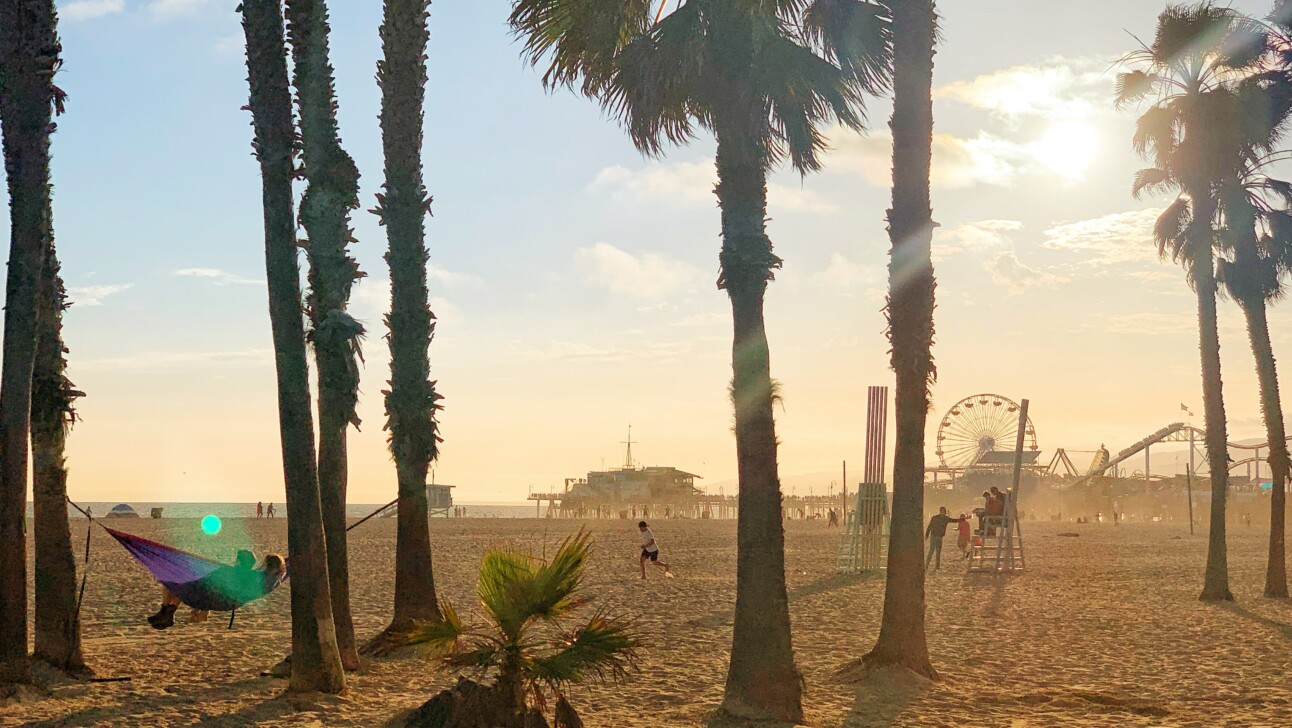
x: 1067, y: 147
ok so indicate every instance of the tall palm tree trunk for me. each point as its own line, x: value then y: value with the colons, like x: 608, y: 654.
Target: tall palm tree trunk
x: 29, y: 56
x: 317, y: 663
x: 58, y: 626
x: 1276, y: 577
x: 1216, y: 582
x: 762, y: 680
x: 902, y: 641
x: 333, y: 191
x: 411, y: 402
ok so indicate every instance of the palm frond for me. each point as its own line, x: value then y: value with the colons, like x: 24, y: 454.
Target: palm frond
x: 505, y: 581
x: 604, y: 649
x: 1156, y: 132
x: 1151, y: 181
x: 1169, y: 229
x: 1134, y: 86
x: 555, y: 583
x: 444, y: 635
x: 577, y: 39
x: 856, y: 35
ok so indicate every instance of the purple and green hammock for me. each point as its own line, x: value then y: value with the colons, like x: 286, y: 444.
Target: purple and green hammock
x: 199, y: 582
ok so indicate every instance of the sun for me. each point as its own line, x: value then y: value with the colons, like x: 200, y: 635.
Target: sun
x: 1067, y: 148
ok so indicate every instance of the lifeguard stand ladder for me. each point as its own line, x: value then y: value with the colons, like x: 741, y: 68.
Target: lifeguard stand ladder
x: 864, y: 543
x: 999, y: 549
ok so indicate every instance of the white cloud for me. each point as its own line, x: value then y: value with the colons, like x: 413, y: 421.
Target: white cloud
x: 89, y: 9
x: 1062, y: 88
x: 641, y: 276
x: 1120, y: 237
x: 1016, y: 278
x: 167, y: 9
x: 94, y: 295
x: 713, y: 318
x: 982, y: 235
x: 691, y: 184
x: 840, y: 272
x: 1152, y: 323
x: 219, y: 277
x: 450, y: 279
x: 957, y: 162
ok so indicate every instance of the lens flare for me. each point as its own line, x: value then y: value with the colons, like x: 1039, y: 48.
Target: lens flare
x: 211, y: 525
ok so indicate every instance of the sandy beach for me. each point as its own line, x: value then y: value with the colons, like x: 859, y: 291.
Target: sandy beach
x: 1103, y: 629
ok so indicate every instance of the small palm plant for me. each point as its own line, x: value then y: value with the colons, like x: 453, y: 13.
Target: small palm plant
x: 529, y: 642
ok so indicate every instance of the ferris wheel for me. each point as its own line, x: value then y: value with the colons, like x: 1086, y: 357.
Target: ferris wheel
x: 978, y: 425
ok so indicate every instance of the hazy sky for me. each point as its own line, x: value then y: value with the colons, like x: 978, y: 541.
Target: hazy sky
x: 574, y: 280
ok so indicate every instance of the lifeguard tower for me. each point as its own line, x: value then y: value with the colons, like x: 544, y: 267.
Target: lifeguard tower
x: 999, y: 548
x: 863, y: 546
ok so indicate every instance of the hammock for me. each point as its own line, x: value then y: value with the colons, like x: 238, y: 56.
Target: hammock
x: 198, y: 582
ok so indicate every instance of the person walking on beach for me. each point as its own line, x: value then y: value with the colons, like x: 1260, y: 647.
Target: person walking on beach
x: 260, y: 509
x: 269, y: 512
x: 937, y: 531
x: 650, y: 550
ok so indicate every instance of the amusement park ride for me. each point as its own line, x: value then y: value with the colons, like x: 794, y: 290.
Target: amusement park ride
x: 976, y: 436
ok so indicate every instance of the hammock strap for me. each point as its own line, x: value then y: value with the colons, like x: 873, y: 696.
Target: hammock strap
x: 85, y: 568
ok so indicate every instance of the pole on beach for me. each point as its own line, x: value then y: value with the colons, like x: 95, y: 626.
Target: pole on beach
x: 1017, y: 479
x: 1189, y: 480
x: 843, y: 512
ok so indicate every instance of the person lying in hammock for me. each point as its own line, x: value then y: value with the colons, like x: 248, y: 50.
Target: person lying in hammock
x: 236, y: 584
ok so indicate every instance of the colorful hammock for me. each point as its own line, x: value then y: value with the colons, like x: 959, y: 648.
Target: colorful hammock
x: 199, y: 582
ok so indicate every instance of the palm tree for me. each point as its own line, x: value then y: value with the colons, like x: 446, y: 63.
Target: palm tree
x: 29, y: 57
x: 411, y: 401
x: 58, y: 625
x: 526, y: 605
x: 911, y: 287
x: 1195, y: 50
x: 317, y: 662
x: 763, y: 78
x: 325, y: 210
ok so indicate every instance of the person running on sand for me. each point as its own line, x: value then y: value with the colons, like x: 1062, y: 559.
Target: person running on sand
x: 650, y: 550
x: 937, y: 531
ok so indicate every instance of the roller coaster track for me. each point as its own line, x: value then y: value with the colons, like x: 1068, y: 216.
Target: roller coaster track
x: 1174, y: 432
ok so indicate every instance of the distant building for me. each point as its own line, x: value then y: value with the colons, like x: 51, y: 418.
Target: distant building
x: 636, y: 485
x: 439, y: 499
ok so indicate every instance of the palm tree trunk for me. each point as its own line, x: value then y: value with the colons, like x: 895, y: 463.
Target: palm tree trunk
x: 762, y: 680
x: 1276, y: 577
x: 29, y: 56
x: 333, y: 191
x: 411, y: 402
x: 58, y: 627
x: 902, y: 641
x: 317, y: 663
x: 1216, y: 581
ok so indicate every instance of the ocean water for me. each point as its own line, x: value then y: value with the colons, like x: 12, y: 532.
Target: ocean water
x: 248, y: 510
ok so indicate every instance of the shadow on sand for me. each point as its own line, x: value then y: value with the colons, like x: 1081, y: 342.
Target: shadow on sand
x: 1284, y: 630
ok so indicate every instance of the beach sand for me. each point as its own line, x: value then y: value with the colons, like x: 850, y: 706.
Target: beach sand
x: 1103, y: 629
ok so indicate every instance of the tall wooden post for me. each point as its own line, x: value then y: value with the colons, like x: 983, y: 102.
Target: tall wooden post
x: 1189, y: 480
x: 843, y: 513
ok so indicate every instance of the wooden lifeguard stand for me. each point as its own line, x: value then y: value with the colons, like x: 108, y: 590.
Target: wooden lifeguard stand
x: 999, y: 548
x: 864, y: 544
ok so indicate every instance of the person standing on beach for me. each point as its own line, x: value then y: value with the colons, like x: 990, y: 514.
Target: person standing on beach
x: 260, y: 509
x: 936, y: 531
x: 650, y: 550
x: 962, y: 535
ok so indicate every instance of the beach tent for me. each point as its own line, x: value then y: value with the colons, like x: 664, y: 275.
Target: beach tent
x: 122, y: 511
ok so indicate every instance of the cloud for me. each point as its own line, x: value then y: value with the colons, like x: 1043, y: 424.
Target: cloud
x: 982, y: 235
x: 840, y: 272
x: 1120, y: 237
x: 219, y: 277
x: 94, y: 295
x: 449, y: 279
x: 89, y: 9
x: 957, y: 162
x: 691, y: 184
x: 168, y: 9
x: 1059, y: 89
x: 1152, y: 323
x: 640, y: 276
x: 659, y: 352
x: 1016, y: 278
x: 178, y: 359
x: 713, y: 318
